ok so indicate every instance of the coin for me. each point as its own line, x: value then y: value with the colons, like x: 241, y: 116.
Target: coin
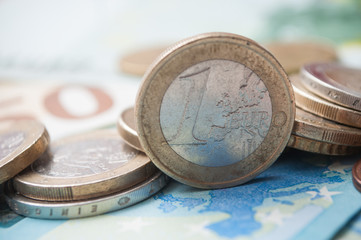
x: 315, y: 146
x: 313, y: 104
x: 127, y: 128
x: 215, y: 111
x: 84, y: 166
x: 356, y: 175
x: 334, y: 82
x: 137, y: 63
x: 311, y: 126
x: 20, y: 145
x: 84, y: 208
x: 293, y: 55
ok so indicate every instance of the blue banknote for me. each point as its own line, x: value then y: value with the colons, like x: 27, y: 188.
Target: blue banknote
x: 302, y: 196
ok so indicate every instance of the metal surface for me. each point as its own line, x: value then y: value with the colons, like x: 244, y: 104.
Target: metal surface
x: 20, y: 145
x: 215, y: 110
x: 314, y: 146
x: 356, y: 175
x: 84, y: 166
x: 313, y: 104
x: 78, y: 209
x: 293, y: 55
x: 334, y: 82
x: 127, y: 129
x: 311, y: 126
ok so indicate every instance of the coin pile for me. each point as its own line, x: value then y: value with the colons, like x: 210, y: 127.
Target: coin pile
x: 328, y: 116
x: 78, y: 176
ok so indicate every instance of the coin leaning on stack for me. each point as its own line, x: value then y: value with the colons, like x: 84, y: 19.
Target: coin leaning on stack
x: 330, y: 120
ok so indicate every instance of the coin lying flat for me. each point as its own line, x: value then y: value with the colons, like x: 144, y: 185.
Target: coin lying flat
x: 334, y: 82
x: 84, y: 166
x: 215, y: 111
x: 293, y: 55
x: 311, y: 126
x: 127, y: 128
x: 138, y: 62
x: 315, y: 146
x: 20, y: 145
x: 84, y: 208
x: 356, y: 175
x: 311, y: 103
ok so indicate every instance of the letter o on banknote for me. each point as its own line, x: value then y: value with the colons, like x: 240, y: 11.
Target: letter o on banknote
x: 215, y: 110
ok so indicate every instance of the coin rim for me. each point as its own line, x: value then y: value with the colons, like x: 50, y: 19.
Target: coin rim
x: 38, y: 186
x: 35, y: 143
x: 356, y: 179
x: 169, y: 161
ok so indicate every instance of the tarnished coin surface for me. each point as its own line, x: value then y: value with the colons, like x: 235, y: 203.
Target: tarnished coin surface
x: 21, y: 143
x: 215, y: 111
x: 315, y: 146
x: 84, y: 166
x: 137, y: 63
x: 314, y: 104
x: 293, y: 55
x: 356, y: 175
x: 314, y: 127
x: 84, y: 208
x: 334, y: 82
x: 127, y: 129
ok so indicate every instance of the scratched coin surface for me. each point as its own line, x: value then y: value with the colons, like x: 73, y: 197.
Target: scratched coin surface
x: 84, y: 166
x: 21, y: 143
x: 84, y: 208
x: 293, y: 55
x: 215, y: 111
x: 316, y: 105
x: 127, y: 129
x: 334, y: 82
x: 311, y: 126
x: 315, y: 146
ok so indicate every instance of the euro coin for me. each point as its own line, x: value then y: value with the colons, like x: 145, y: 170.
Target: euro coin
x: 293, y: 55
x: 84, y: 166
x: 215, y: 111
x: 356, y: 175
x: 336, y: 83
x: 316, y: 105
x: 137, y: 62
x: 84, y: 208
x: 314, y: 127
x: 315, y: 146
x: 127, y: 129
x: 21, y: 143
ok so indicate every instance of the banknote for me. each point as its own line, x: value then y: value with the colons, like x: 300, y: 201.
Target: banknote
x: 302, y: 196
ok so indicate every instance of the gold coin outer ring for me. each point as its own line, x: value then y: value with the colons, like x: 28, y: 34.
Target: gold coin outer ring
x: 184, y: 55
x: 35, y: 185
x: 35, y: 143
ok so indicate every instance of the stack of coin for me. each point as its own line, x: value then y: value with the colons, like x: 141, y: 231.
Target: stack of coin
x: 78, y: 176
x: 328, y: 114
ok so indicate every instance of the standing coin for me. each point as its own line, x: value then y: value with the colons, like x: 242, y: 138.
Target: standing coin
x: 20, y: 145
x: 84, y: 208
x: 356, y: 175
x: 311, y: 126
x: 138, y: 62
x: 215, y: 111
x: 127, y: 128
x: 84, y: 166
x: 334, y: 82
x: 311, y: 103
x: 314, y: 146
x: 293, y: 55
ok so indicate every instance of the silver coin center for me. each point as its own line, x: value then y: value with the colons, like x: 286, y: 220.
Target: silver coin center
x: 216, y: 113
x: 84, y: 158
x: 9, y: 142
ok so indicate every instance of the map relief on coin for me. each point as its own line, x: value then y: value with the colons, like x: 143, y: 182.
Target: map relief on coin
x: 84, y: 158
x: 9, y: 142
x: 216, y: 113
